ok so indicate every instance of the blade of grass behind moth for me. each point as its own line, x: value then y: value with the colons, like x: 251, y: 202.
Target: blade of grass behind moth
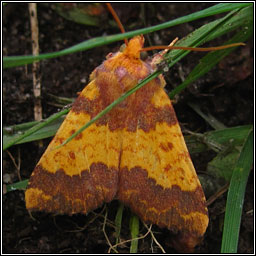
x: 35, y: 128
x: 18, y: 185
x: 241, y: 20
x: 118, y: 221
x: 134, y: 227
x: 18, y: 127
x: 62, y: 101
x: 211, y: 120
x: 13, y: 61
x: 211, y: 59
x: 208, y: 32
x: 235, y: 135
x: 235, y: 198
x: 48, y: 130
x: 194, y: 39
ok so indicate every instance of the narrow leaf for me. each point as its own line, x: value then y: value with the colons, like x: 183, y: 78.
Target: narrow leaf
x: 235, y: 198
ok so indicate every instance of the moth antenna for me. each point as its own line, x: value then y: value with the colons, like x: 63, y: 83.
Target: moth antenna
x: 112, y: 11
x: 170, y: 45
x: 196, y: 49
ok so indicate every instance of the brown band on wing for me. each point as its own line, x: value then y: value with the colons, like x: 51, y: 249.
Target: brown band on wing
x: 61, y: 193
x: 170, y: 207
x: 135, y: 112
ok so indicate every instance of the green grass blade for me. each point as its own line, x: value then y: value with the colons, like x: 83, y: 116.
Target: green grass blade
x: 8, y: 130
x: 212, y: 58
x: 134, y: 227
x: 13, y: 61
x: 35, y: 128
x: 118, y: 221
x: 242, y: 19
x: 214, y: 29
x: 210, y: 119
x: 12, y: 132
x: 208, y: 62
x: 18, y: 185
x: 235, y: 135
x: 222, y: 165
x: 235, y: 198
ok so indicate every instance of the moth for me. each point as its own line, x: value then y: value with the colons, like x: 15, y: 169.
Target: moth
x: 135, y: 153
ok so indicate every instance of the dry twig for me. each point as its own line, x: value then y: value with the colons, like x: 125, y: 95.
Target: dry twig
x: 36, y: 65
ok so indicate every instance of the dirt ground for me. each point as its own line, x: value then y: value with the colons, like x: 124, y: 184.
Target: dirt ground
x: 226, y: 92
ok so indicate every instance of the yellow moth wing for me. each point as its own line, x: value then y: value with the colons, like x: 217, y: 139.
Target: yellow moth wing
x: 157, y: 177
x: 71, y: 178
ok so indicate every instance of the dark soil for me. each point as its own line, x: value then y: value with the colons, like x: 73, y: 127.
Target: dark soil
x: 226, y: 92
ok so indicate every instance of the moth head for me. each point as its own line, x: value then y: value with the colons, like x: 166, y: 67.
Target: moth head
x: 134, y: 47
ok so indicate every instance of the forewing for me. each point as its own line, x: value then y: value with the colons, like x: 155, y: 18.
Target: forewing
x: 81, y: 175
x: 157, y: 178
